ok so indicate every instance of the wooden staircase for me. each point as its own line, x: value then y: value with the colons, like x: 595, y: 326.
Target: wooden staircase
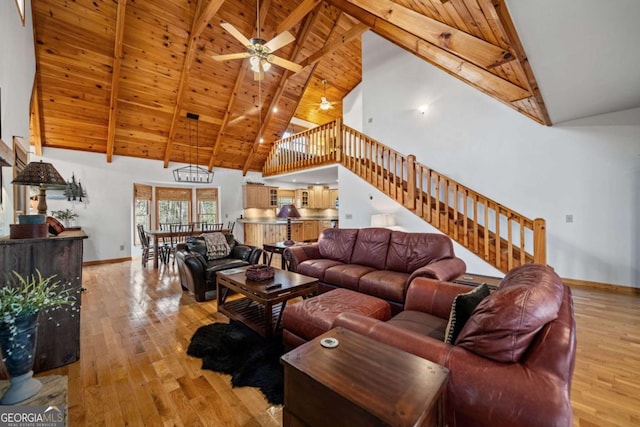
x: 497, y: 234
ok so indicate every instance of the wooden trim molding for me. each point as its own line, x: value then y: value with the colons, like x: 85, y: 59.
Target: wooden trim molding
x: 106, y: 261
x: 585, y: 284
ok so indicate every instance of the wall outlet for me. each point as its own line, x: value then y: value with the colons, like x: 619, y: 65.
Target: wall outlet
x: 348, y: 216
x: 568, y: 218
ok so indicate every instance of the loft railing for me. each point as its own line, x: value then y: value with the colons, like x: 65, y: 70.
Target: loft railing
x: 496, y: 233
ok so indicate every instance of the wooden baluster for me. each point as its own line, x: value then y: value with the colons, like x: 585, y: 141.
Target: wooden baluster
x: 509, y: 243
x: 411, y: 182
x: 497, y: 238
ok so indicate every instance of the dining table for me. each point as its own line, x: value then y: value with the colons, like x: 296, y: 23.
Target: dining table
x: 156, y: 235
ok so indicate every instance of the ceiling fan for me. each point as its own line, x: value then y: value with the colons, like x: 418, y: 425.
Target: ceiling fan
x: 260, y: 52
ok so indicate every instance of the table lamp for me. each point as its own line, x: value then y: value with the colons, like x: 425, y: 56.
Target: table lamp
x: 288, y: 212
x: 40, y: 174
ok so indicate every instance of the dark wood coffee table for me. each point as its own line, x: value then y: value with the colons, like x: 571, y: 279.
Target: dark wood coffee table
x: 262, y: 306
x: 361, y: 382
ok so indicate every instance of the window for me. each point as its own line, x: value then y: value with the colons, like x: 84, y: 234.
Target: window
x: 207, y: 201
x: 173, y: 205
x: 141, y: 209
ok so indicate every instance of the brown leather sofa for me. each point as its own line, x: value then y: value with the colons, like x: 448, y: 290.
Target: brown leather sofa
x: 375, y: 261
x: 198, y: 274
x: 513, y: 361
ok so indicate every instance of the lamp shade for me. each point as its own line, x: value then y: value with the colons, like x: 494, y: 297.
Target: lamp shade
x: 288, y: 211
x: 39, y: 173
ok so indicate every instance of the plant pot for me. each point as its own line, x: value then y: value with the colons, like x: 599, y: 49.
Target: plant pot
x: 18, y: 344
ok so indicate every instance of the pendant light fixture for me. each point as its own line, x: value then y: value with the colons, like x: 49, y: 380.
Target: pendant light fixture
x: 193, y: 174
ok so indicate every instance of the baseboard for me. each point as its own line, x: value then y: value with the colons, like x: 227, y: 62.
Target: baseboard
x: 106, y: 261
x: 585, y: 284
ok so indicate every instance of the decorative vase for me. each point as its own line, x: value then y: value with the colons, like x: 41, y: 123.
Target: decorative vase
x: 18, y: 344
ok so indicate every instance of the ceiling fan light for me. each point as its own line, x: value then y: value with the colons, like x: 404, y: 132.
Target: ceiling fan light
x: 324, y: 103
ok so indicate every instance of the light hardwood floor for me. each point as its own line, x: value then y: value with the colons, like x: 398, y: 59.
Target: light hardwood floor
x: 133, y: 368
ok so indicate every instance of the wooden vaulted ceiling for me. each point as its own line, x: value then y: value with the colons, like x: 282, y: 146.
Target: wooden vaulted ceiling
x: 118, y: 76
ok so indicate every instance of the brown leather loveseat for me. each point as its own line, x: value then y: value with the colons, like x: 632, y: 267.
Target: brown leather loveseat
x: 511, y: 364
x: 375, y: 261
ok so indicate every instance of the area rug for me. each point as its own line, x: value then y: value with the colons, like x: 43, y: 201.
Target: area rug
x: 250, y: 359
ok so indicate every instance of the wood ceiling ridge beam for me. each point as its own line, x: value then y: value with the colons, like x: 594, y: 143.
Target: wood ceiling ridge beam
x: 303, y: 34
x: 115, y: 78
x: 196, y: 29
x: 264, y: 8
x: 467, y: 46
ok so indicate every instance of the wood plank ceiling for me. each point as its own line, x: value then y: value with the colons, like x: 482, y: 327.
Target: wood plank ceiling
x: 118, y: 76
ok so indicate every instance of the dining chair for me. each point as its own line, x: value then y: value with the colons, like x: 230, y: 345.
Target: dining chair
x: 178, y: 233
x: 148, y: 251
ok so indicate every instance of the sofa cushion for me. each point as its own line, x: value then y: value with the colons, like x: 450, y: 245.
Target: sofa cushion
x: 371, y: 247
x: 346, y: 275
x: 421, y: 323
x: 386, y: 284
x: 461, y: 309
x: 410, y: 251
x: 316, y: 267
x: 337, y: 243
x: 505, y: 323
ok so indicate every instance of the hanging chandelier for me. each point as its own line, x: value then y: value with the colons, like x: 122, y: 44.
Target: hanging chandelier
x: 193, y: 174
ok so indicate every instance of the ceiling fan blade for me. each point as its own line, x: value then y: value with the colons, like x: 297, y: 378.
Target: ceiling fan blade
x: 284, y: 63
x: 235, y: 33
x: 281, y: 40
x: 231, y: 56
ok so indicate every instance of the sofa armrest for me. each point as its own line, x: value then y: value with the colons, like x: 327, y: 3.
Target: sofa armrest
x: 242, y: 252
x: 445, y: 269
x: 433, y: 296
x: 403, y: 339
x: 297, y: 254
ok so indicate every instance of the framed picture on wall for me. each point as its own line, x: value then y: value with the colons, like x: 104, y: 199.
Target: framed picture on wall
x: 21, y: 9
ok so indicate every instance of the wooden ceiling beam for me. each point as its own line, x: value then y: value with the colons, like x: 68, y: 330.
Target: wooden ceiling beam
x: 304, y: 33
x: 115, y: 78
x: 296, y: 16
x: 355, y: 31
x: 36, y: 119
x: 197, y: 28
x: 478, y: 77
x: 264, y: 8
x: 444, y: 36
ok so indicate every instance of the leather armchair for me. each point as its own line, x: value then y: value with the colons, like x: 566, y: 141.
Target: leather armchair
x: 513, y: 361
x: 198, y: 275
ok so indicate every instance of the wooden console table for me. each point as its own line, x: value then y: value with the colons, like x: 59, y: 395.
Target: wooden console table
x: 360, y: 382
x: 58, y: 341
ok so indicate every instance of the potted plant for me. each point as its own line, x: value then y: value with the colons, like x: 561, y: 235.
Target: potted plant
x: 21, y: 301
x: 66, y: 216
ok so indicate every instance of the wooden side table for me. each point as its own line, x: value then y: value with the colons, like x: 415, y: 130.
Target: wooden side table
x: 360, y: 382
x: 477, y: 280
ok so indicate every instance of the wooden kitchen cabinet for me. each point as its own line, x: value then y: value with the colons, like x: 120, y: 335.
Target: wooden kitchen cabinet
x: 259, y: 196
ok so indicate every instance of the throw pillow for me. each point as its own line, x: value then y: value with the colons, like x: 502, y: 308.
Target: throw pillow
x: 55, y: 226
x: 217, y: 246
x: 463, y: 306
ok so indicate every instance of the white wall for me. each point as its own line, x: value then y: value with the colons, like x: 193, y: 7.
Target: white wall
x: 589, y: 168
x: 106, y: 213
x: 17, y: 68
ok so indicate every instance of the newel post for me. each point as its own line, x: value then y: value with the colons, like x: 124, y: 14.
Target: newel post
x: 339, y: 132
x: 410, y: 201
x: 539, y: 241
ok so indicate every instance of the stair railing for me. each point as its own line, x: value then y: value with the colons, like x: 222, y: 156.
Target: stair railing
x: 496, y: 233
